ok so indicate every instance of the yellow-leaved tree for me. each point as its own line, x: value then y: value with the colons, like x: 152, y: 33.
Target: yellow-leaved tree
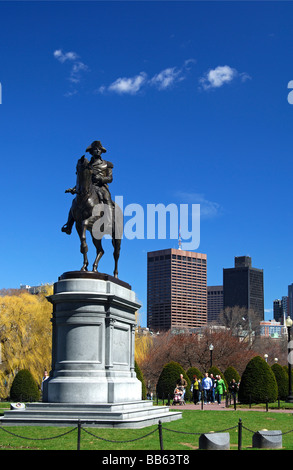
x: 143, y: 345
x: 25, y: 336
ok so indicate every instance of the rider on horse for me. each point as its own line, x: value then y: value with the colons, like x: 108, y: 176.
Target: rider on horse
x: 102, y: 175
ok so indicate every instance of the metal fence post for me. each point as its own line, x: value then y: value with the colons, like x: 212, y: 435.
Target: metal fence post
x: 239, y: 434
x: 78, y: 434
x: 161, y: 436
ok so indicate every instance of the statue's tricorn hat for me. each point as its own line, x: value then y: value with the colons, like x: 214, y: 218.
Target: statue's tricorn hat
x: 96, y: 144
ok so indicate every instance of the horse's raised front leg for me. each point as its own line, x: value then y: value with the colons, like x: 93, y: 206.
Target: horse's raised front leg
x: 81, y: 230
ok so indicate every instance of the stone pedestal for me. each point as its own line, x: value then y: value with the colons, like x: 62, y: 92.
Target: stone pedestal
x: 93, y: 341
x: 92, y: 380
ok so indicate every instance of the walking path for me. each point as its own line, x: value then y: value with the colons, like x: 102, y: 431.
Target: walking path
x: 222, y: 407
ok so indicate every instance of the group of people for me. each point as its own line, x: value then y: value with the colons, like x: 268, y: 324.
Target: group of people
x: 211, y: 388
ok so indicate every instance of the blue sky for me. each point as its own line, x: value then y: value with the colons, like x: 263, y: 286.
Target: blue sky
x: 190, y: 101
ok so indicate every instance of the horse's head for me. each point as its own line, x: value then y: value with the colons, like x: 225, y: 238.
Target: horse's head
x: 82, y: 164
x: 84, y: 174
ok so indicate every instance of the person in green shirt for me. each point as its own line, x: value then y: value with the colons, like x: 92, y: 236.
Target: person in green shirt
x: 220, y: 389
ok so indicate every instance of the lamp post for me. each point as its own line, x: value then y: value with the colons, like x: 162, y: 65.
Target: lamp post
x: 211, y: 348
x: 289, y: 323
x: 266, y: 357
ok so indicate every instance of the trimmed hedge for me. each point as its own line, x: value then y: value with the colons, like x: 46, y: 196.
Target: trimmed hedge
x: 258, y: 383
x: 282, y: 381
x: 168, y: 378
x: 24, y: 387
x: 231, y: 373
x: 194, y: 371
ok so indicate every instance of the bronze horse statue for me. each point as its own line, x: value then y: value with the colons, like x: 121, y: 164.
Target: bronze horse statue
x: 90, y: 214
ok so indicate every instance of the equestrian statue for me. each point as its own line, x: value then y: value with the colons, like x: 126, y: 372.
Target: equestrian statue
x: 92, y: 208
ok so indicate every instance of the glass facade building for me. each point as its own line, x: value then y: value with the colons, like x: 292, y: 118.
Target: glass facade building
x: 243, y: 286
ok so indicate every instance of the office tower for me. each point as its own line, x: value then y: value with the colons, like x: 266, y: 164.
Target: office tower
x: 278, y: 310
x: 285, y: 306
x: 176, y: 289
x: 243, y: 286
x: 215, y: 302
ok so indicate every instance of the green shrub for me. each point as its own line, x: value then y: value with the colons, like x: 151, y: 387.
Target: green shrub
x: 286, y: 369
x: 258, y: 383
x: 24, y: 387
x: 139, y: 376
x: 231, y: 373
x: 194, y: 371
x: 282, y: 381
x: 168, y: 378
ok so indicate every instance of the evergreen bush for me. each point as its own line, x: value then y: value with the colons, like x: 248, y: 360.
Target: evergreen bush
x: 168, y: 378
x: 231, y: 373
x: 194, y: 371
x: 24, y: 387
x: 282, y: 381
x: 286, y: 369
x: 258, y: 383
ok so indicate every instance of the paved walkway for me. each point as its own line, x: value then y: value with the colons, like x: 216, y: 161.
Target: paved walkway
x: 216, y: 407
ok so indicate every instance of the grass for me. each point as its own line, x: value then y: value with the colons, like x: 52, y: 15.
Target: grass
x: 181, y: 435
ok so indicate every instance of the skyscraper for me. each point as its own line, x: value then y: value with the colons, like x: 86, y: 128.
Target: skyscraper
x: 215, y: 302
x: 278, y: 310
x: 243, y: 286
x: 176, y: 289
x: 285, y: 305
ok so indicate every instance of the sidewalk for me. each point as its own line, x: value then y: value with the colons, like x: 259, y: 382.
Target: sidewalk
x: 208, y: 406
x: 222, y: 407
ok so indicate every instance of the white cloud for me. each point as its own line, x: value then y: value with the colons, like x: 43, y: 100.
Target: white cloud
x: 127, y: 85
x: 166, y: 78
x: 77, y: 67
x: 221, y: 75
x: 215, y: 78
x: 59, y: 55
x: 208, y: 209
x: 162, y: 80
x: 75, y: 74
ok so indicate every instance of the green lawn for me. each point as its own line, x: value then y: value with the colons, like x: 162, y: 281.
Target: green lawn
x: 181, y: 435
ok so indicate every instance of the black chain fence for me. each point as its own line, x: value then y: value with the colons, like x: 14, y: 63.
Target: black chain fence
x: 80, y: 427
